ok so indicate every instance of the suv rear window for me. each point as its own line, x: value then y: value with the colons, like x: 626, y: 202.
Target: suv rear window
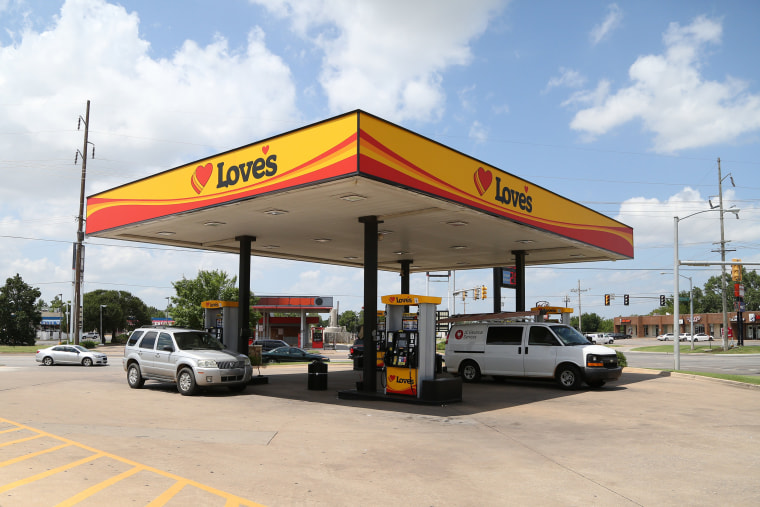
x: 504, y: 335
x: 134, y: 337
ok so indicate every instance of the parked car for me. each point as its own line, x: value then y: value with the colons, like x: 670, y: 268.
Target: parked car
x: 189, y: 358
x: 665, y: 337
x: 357, y: 349
x: 702, y: 337
x: 291, y: 354
x: 267, y: 345
x: 70, y: 354
x: 620, y: 336
x: 603, y: 338
x: 92, y: 336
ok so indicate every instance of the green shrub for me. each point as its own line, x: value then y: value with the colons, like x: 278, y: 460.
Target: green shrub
x: 88, y: 344
x: 622, y: 361
x: 120, y: 339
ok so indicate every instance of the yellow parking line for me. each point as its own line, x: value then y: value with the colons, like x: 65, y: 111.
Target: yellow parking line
x: 10, y: 430
x: 99, y: 487
x: 168, y: 494
x: 21, y: 440
x: 32, y: 455
x: 48, y: 473
x: 231, y: 500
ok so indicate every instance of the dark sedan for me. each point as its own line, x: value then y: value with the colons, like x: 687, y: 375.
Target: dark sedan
x: 290, y: 354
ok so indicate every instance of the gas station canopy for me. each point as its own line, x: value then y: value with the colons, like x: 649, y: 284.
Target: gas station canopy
x: 301, y: 195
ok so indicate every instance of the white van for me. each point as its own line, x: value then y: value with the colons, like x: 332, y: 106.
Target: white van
x: 529, y: 349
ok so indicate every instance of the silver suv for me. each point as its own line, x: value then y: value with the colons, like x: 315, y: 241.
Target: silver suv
x: 192, y: 359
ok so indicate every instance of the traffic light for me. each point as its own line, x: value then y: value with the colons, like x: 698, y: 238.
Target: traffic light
x: 736, y: 271
x: 464, y: 295
x: 626, y: 299
x: 483, y: 292
x: 477, y: 293
x: 606, y: 300
x: 662, y: 299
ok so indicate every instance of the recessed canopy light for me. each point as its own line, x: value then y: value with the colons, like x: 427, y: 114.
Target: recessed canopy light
x: 401, y: 252
x: 269, y: 247
x: 458, y: 247
x: 322, y: 240
x: 457, y: 223
x: 385, y: 232
x: 166, y: 233
x: 214, y: 224
x: 577, y: 255
x: 525, y: 241
x: 350, y: 257
x: 275, y: 212
x: 352, y: 197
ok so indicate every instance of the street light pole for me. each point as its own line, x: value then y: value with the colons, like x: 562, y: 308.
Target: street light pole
x: 676, y: 309
x: 60, y: 324
x: 102, y: 337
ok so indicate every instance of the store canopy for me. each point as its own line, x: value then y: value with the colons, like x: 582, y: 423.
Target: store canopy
x: 301, y: 195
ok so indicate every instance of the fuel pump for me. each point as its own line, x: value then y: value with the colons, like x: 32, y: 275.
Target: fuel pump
x: 220, y: 318
x: 410, y: 349
x: 381, y: 342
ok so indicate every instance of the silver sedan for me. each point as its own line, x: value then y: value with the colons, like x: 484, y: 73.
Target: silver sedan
x: 70, y: 354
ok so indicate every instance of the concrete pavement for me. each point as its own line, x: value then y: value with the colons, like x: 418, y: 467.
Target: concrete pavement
x: 649, y: 439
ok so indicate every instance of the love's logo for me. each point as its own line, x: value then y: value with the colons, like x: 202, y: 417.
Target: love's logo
x: 483, y: 179
x: 392, y: 299
x: 391, y: 377
x: 201, y: 176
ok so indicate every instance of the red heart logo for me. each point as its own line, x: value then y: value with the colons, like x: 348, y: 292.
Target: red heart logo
x: 265, y: 149
x: 200, y: 177
x: 392, y: 299
x: 526, y: 189
x: 483, y: 179
x: 392, y: 377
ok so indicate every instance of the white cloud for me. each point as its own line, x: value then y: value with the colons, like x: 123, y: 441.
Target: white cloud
x: 610, y: 23
x: 567, y: 77
x: 479, y: 132
x: 670, y: 97
x: 388, y: 57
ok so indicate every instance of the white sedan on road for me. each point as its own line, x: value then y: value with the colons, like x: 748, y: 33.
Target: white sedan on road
x: 702, y: 337
x: 70, y: 354
x: 665, y: 337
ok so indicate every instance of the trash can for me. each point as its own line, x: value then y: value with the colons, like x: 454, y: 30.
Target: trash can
x: 317, y: 376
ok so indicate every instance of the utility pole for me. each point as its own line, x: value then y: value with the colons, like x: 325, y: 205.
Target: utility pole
x: 723, y: 257
x: 79, y: 246
x: 580, y: 312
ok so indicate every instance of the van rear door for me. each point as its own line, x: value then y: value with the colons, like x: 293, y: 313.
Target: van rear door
x: 503, y: 353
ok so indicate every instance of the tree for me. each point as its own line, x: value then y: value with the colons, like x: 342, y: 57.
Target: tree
x: 122, y: 311
x: 207, y: 286
x: 19, y: 314
x: 350, y: 320
x: 591, y: 323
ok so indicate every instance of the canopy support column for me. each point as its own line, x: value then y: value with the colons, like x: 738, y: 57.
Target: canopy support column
x: 520, y: 278
x: 369, y: 381
x: 244, y: 293
x: 496, y: 291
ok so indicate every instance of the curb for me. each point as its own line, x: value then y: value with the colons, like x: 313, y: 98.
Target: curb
x: 691, y: 376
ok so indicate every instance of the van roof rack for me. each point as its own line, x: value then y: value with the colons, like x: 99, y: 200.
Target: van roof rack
x: 491, y: 317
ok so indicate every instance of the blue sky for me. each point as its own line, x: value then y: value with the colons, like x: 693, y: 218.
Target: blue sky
x: 624, y: 107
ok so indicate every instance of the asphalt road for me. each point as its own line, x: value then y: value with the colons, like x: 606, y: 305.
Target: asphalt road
x: 730, y: 364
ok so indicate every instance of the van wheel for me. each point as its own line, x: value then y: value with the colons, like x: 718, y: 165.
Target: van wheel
x: 469, y: 371
x: 569, y: 377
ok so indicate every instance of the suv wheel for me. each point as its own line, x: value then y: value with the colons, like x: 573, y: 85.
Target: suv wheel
x: 134, y: 377
x: 186, y: 382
